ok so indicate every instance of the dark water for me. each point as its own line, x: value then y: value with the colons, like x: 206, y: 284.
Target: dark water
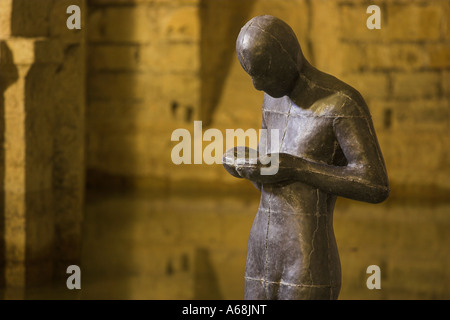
x: 137, y: 246
x: 178, y: 247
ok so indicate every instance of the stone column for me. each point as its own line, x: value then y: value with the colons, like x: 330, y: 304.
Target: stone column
x: 42, y: 163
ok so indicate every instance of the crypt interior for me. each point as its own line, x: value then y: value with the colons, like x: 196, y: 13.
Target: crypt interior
x: 87, y: 116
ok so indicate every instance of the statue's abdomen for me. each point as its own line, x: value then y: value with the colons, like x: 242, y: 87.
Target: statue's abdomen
x: 292, y: 250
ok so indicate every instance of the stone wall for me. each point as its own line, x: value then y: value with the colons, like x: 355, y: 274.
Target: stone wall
x: 143, y: 82
x: 42, y: 111
x: 155, y: 66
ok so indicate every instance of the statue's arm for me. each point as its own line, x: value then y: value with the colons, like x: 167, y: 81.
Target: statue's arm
x: 364, y: 178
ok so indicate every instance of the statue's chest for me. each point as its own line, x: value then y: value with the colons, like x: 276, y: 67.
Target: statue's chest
x: 301, y: 132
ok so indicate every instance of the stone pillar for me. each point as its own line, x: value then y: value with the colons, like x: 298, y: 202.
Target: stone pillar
x: 42, y: 163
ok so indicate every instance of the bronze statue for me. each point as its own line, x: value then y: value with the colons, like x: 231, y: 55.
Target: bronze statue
x: 327, y: 148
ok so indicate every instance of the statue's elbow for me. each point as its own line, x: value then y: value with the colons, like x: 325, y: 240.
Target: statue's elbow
x: 381, y: 194
x: 378, y: 187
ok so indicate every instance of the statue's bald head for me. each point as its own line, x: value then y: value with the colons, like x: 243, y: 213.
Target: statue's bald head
x: 269, y: 52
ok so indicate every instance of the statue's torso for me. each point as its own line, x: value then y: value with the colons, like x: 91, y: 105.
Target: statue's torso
x: 292, y: 249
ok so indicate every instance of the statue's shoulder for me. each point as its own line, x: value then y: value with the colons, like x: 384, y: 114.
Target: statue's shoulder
x: 342, y: 99
x: 353, y: 104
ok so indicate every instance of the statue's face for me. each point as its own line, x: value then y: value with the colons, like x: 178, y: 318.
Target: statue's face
x: 265, y: 59
x: 272, y: 74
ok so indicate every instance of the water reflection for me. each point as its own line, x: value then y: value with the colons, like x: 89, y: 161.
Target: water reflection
x: 194, y: 247
x: 138, y: 247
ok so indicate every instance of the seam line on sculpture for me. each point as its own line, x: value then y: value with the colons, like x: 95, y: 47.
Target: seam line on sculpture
x: 266, y: 262
x: 286, y: 125
x: 314, y: 234
x: 324, y: 88
x: 354, y: 179
x: 276, y: 40
x: 270, y: 196
x: 290, y: 284
x: 290, y: 212
x: 311, y: 116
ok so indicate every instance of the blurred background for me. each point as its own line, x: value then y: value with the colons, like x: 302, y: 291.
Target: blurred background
x: 86, y: 123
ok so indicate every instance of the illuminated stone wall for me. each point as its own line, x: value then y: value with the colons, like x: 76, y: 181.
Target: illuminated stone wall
x: 154, y: 66
x: 42, y: 131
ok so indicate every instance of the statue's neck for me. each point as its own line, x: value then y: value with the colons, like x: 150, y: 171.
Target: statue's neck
x: 303, y: 92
